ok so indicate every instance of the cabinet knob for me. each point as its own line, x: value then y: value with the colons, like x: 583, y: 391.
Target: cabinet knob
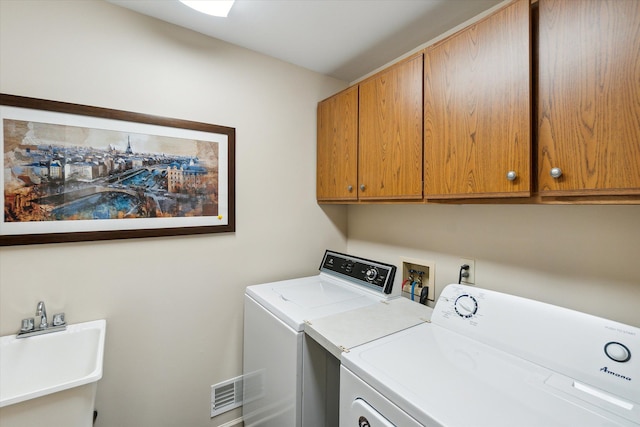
x: 556, y: 173
x: 362, y: 187
x: 350, y: 188
x: 512, y: 175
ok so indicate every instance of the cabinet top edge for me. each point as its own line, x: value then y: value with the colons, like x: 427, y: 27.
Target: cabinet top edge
x: 482, y: 20
x: 342, y: 92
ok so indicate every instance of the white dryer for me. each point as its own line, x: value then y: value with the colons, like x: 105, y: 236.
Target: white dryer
x: 291, y: 379
x: 489, y: 359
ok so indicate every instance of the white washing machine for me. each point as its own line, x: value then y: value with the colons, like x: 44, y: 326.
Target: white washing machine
x: 489, y: 359
x: 291, y: 379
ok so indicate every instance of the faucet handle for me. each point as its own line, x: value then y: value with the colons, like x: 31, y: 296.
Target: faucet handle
x: 58, y: 319
x: 27, y: 325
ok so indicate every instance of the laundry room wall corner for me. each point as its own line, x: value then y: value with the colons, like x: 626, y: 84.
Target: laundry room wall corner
x: 173, y: 305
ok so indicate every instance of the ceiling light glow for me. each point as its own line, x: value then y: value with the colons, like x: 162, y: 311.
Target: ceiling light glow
x: 210, y: 7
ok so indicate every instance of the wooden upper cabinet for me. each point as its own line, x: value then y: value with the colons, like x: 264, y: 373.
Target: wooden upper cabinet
x: 477, y: 109
x: 589, y: 97
x: 337, y: 145
x: 390, y: 143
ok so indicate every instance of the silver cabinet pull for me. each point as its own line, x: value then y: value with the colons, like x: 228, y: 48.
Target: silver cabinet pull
x: 362, y: 187
x: 556, y: 173
x: 512, y: 175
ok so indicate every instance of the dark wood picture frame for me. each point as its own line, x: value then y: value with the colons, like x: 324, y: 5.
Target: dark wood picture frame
x: 210, y: 189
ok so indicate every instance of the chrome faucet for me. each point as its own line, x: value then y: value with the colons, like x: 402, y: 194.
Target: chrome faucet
x: 28, y: 328
x: 42, y: 312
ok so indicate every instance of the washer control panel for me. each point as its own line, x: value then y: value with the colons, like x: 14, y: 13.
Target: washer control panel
x: 365, y: 272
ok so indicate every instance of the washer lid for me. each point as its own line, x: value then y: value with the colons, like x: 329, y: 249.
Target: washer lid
x: 435, y: 374
x: 296, y: 300
x: 315, y: 294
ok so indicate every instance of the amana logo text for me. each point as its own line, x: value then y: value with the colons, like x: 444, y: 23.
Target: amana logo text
x: 615, y: 374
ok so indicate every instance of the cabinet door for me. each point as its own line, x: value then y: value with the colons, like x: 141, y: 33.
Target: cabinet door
x: 477, y: 105
x: 589, y: 97
x: 390, y: 143
x: 337, y: 161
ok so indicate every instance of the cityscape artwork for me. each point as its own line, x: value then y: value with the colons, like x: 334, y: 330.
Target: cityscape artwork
x: 66, y: 175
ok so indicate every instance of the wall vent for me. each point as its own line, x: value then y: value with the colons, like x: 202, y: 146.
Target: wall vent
x: 226, y: 396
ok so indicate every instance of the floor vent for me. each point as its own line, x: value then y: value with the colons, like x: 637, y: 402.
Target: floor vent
x: 226, y: 396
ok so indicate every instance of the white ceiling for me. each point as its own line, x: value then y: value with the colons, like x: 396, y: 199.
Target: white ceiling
x: 345, y: 39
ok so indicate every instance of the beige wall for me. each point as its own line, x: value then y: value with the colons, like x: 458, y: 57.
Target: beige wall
x: 173, y: 305
x: 581, y: 257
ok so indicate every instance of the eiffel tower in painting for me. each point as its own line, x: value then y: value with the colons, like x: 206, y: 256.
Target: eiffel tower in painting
x: 129, y: 150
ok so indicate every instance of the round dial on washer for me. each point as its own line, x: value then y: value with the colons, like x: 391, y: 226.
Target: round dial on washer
x: 371, y: 273
x: 617, y: 352
x: 466, y: 305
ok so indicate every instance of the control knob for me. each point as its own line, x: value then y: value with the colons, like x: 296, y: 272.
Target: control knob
x: 465, y: 305
x: 371, y: 274
x: 617, y: 352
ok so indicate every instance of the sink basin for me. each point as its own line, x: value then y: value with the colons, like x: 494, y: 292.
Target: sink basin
x: 51, y: 366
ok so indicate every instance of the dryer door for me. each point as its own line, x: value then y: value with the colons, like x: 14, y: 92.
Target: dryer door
x: 367, y: 416
x: 362, y: 406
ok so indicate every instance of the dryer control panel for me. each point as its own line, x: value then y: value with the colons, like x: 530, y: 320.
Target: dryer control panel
x: 595, y: 358
x: 365, y: 272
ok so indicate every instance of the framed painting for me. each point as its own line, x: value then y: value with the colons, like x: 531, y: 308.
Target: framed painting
x: 75, y: 173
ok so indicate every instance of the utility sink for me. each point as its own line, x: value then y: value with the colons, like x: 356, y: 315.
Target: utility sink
x: 47, y: 368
